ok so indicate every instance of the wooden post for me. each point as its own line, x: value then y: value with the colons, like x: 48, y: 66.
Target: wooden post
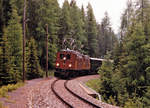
x: 46, y: 50
x: 24, y: 41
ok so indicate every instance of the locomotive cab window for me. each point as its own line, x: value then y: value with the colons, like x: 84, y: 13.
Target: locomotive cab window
x: 68, y: 56
x: 62, y: 56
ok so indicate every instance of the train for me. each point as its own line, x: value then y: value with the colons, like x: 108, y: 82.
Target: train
x: 70, y: 63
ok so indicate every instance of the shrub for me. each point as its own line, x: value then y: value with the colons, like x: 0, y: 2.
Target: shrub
x: 10, y: 87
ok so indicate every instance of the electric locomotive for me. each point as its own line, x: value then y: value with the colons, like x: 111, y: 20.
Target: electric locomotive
x: 70, y: 63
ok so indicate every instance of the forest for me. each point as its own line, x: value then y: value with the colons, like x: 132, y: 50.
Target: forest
x: 69, y: 26
x: 124, y: 82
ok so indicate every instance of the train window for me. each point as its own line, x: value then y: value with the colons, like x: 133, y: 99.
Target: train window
x: 68, y: 56
x: 62, y: 56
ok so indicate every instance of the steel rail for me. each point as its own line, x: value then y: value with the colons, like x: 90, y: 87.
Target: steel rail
x: 81, y: 98
x: 58, y: 96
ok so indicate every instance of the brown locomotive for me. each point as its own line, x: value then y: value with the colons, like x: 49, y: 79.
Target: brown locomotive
x: 71, y: 63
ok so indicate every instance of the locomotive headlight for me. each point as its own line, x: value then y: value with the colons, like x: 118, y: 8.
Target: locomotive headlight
x: 57, y: 64
x: 70, y: 65
x: 64, y: 58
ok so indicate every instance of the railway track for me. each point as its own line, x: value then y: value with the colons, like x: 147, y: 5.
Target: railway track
x: 81, y: 98
x: 73, y: 94
x: 58, y: 96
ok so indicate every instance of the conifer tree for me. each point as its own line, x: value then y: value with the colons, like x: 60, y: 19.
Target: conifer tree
x: 126, y: 19
x: 106, y: 37
x: 48, y: 14
x: 106, y: 72
x: 19, y: 6
x: 146, y: 99
x: 77, y: 22
x: 6, y: 10
x: 1, y: 62
x: 34, y: 18
x: 85, y: 41
x: 130, y: 78
x: 5, y: 66
x: 66, y: 27
x: 143, y: 15
x: 14, y: 34
x: 1, y: 18
x: 91, y: 32
x: 33, y: 67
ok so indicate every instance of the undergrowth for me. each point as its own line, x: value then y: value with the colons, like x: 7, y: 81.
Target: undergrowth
x: 10, y: 87
x: 94, y: 84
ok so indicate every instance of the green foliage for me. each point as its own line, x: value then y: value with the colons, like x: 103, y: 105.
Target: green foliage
x: 128, y: 84
x: 10, y: 87
x: 69, y: 21
x: 33, y: 67
x: 84, y: 26
x: 14, y: 34
x: 133, y: 103
x: 146, y: 98
x: 1, y: 62
x: 1, y: 18
x: 106, y: 72
x: 10, y: 68
x: 91, y: 32
x: 66, y: 27
x: 6, y: 10
x: 106, y: 37
x: 94, y: 84
x: 77, y: 23
x: 11, y: 42
x: 48, y: 13
x: 5, y: 66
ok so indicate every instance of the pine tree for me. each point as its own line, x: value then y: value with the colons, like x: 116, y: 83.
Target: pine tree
x: 6, y: 10
x: 48, y: 14
x: 106, y: 72
x: 130, y: 80
x: 34, y: 18
x: 77, y: 22
x: 33, y: 67
x: 126, y: 19
x: 1, y: 64
x: 14, y: 34
x: 66, y: 27
x: 144, y: 15
x: 146, y: 99
x: 106, y: 36
x: 19, y: 6
x: 1, y: 19
x: 91, y: 32
x: 5, y: 65
x: 85, y: 41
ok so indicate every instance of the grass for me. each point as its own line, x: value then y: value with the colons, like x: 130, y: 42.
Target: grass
x: 94, y: 84
x: 10, y: 87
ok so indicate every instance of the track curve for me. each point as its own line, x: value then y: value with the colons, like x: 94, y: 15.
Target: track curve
x: 58, y: 96
x: 81, y: 98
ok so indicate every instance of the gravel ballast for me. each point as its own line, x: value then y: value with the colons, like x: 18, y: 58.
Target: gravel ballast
x: 38, y: 94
